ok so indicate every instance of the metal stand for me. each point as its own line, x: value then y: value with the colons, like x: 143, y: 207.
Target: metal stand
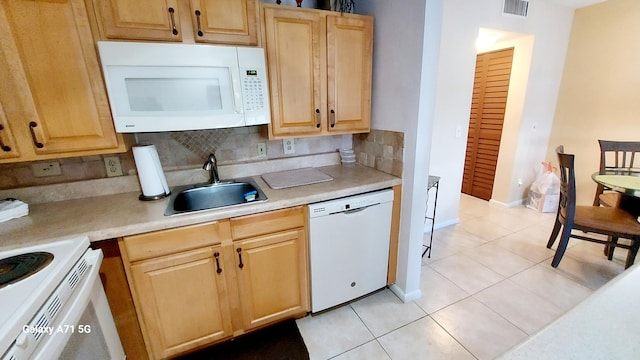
x: 433, y: 182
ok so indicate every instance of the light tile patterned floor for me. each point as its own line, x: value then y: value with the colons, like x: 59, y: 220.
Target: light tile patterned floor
x: 488, y: 285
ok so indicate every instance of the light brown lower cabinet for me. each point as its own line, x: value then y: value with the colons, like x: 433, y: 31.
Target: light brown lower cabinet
x: 198, y: 285
x: 183, y: 301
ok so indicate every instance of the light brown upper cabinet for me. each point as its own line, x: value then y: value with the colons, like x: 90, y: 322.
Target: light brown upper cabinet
x: 211, y: 21
x: 8, y: 147
x: 319, y: 71
x: 141, y: 19
x: 52, y: 99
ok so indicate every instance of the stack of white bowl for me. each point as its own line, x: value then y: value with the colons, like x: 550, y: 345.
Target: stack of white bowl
x: 347, y: 157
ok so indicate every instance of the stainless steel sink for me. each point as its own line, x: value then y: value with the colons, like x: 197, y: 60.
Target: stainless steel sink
x: 198, y: 197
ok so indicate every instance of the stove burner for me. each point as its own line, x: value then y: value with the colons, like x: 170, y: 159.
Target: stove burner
x: 16, y: 268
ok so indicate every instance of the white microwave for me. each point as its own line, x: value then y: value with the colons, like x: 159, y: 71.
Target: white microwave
x: 172, y: 87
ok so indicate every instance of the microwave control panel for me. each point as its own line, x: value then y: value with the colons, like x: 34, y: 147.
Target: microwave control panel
x: 254, y: 85
x: 253, y: 89
x: 255, y: 95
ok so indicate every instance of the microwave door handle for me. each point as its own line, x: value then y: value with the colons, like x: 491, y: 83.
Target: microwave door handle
x: 236, y: 86
x: 236, y: 104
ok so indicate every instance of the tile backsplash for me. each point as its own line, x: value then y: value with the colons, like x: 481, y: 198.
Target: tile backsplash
x: 382, y: 150
x: 178, y: 150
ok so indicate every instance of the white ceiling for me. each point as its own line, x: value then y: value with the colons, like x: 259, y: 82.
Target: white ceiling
x: 575, y: 3
x: 499, y: 35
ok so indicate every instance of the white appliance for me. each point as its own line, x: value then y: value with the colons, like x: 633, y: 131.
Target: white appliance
x: 173, y: 87
x: 60, y: 311
x: 349, y: 247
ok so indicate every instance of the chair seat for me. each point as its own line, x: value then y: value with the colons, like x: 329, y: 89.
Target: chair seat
x: 610, y: 199
x: 609, y: 219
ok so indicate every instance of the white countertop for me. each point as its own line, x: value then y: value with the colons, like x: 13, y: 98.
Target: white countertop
x: 121, y: 214
x: 606, y: 325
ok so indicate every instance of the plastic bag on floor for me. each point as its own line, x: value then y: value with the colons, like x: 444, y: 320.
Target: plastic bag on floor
x: 544, y: 193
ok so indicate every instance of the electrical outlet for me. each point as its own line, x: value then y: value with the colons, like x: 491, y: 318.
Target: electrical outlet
x: 262, y: 149
x: 289, y: 147
x: 113, y: 166
x: 49, y: 168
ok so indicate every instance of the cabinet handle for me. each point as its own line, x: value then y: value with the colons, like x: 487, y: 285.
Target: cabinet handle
x: 217, y: 255
x: 2, y: 145
x: 318, y: 118
x: 200, y: 33
x: 33, y: 125
x: 333, y: 118
x: 174, y: 31
x: 239, y: 250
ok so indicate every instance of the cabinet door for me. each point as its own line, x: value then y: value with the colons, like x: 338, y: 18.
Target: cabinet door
x: 349, y: 58
x: 183, y: 300
x: 295, y: 42
x: 55, y: 89
x: 225, y: 21
x: 272, y: 277
x: 8, y: 148
x: 139, y: 20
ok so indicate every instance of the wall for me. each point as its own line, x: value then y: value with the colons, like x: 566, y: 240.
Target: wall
x: 550, y: 25
x: 178, y: 150
x: 599, y: 94
x: 404, y: 70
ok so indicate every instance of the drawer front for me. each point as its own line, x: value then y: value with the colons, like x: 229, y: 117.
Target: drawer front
x: 266, y: 223
x: 165, y: 242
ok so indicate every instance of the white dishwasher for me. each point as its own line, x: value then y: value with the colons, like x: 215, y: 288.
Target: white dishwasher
x: 349, y: 247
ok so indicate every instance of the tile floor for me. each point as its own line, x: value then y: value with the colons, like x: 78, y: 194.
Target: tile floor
x: 487, y: 287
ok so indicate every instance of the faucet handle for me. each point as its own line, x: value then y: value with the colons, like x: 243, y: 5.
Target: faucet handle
x: 210, y: 161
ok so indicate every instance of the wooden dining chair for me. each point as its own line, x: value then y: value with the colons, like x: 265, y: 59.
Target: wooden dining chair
x: 610, y: 221
x: 615, y: 155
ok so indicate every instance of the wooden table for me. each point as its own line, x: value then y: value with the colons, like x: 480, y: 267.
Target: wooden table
x: 624, y: 181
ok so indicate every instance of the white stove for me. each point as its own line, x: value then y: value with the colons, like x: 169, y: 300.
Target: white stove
x: 40, y: 313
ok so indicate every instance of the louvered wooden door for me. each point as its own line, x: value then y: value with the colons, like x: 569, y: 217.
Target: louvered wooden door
x: 490, y: 88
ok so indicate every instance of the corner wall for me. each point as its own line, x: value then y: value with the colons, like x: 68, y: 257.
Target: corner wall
x: 403, y: 95
x: 599, y: 94
x: 550, y: 25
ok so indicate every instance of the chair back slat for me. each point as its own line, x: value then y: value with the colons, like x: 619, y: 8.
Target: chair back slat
x: 567, y: 205
x: 619, y: 156
x: 623, y: 152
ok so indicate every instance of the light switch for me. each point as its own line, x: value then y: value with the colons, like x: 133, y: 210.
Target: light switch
x: 458, y: 131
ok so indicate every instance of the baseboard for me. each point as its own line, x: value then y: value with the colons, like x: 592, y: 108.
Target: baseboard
x: 405, y: 297
x: 440, y: 225
x: 508, y: 205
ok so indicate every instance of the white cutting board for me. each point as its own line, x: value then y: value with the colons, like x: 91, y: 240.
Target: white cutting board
x: 297, y: 177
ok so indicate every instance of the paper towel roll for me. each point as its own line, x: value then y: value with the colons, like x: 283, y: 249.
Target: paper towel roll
x: 154, y: 184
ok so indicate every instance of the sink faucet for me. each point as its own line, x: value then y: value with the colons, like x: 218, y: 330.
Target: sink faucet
x: 213, y: 168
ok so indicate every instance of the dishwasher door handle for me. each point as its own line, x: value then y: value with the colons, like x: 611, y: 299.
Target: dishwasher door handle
x: 357, y: 210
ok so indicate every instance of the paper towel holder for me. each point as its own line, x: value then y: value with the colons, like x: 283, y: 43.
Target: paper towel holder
x: 143, y: 197
x: 152, y: 180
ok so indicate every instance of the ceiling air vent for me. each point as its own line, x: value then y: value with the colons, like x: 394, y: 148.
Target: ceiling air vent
x: 515, y: 7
